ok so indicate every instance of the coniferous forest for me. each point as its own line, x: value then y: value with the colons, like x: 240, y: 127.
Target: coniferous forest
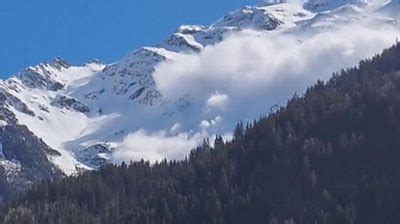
x: 330, y: 156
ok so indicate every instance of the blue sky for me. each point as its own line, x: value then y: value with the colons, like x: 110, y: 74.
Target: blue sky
x: 81, y: 30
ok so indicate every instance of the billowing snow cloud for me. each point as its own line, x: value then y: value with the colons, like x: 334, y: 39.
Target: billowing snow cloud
x: 241, y: 77
x: 250, y: 71
x: 250, y: 64
x: 218, y: 101
x: 154, y: 146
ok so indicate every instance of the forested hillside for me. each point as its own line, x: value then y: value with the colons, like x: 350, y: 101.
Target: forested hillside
x: 330, y: 156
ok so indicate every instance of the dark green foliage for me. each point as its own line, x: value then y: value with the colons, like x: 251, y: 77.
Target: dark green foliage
x: 328, y: 157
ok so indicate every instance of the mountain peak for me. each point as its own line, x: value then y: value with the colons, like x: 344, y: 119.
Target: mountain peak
x: 60, y: 63
x: 249, y: 17
x: 44, y: 75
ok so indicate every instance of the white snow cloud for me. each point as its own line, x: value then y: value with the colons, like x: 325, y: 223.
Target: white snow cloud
x: 242, y: 77
x: 257, y: 70
x: 218, y: 101
x: 204, y: 124
x: 154, y: 146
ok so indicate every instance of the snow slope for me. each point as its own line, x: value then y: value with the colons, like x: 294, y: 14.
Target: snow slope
x: 391, y: 9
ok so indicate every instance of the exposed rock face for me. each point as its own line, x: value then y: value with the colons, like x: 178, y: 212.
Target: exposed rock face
x: 24, y: 158
x: 95, y: 156
x: 69, y: 103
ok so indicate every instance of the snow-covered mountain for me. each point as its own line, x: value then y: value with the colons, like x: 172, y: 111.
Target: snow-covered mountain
x: 57, y: 118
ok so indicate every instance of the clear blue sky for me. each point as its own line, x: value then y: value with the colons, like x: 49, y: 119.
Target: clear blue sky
x: 33, y: 31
